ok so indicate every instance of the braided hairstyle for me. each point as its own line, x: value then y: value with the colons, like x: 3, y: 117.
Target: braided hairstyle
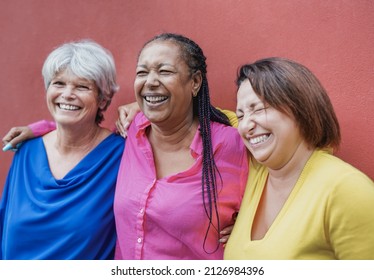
x: 195, y: 59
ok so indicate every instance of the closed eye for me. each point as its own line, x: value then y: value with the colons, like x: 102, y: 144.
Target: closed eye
x: 83, y: 87
x: 166, y: 72
x: 141, y: 73
x: 58, y: 83
x: 239, y: 116
x: 259, y: 110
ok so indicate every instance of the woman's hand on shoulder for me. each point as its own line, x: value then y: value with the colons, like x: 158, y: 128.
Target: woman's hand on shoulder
x: 225, y: 234
x: 15, y: 136
x: 126, y: 114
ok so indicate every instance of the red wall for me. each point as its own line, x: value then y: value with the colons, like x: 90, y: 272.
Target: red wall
x: 333, y: 38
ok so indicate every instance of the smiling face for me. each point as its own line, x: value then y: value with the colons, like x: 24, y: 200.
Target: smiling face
x: 270, y: 135
x: 163, y: 85
x: 72, y: 100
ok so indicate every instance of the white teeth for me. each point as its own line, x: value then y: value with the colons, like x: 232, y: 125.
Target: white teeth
x: 258, y: 139
x: 155, y: 99
x: 68, y: 107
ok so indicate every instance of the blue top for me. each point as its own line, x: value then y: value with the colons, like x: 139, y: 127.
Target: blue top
x: 69, y: 218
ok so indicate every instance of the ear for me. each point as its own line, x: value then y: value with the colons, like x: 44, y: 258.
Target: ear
x: 197, y: 80
x: 102, y: 104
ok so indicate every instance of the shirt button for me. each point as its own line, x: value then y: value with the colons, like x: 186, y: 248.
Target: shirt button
x: 139, y: 240
x: 142, y: 211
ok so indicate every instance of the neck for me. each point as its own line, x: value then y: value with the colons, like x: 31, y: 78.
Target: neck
x: 290, y: 172
x: 78, y: 139
x: 173, y: 137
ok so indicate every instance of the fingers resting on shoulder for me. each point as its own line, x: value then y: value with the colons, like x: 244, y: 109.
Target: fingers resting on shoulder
x: 15, y: 136
x: 126, y: 114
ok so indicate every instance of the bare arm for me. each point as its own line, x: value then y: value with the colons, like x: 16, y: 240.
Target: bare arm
x: 16, y: 135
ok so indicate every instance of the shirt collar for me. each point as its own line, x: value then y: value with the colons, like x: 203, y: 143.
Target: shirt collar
x: 142, y: 123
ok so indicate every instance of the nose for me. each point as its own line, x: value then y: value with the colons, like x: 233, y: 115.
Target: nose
x: 152, y: 79
x: 67, y: 92
x: 248, y: 124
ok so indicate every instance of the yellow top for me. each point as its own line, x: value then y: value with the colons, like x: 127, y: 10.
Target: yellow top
x: 231, y: 116
x: 328, y: 215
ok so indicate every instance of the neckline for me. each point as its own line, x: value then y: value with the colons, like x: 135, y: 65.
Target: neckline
x: 85, y: 158
x: 286, y: 204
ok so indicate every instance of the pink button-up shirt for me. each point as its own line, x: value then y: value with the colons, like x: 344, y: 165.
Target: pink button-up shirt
x: 165, y: 218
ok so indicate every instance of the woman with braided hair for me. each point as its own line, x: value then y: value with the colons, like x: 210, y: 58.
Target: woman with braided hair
x: 184, y: 169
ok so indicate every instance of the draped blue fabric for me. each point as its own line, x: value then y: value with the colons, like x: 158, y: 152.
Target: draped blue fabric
x: 69, y: 218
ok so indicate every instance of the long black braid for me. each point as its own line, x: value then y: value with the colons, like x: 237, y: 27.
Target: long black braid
x: 195, y: 59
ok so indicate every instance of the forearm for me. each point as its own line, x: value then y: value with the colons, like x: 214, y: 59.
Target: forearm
x: 42, y: 127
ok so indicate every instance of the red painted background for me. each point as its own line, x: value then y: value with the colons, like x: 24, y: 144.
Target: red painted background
x: 334, y: 38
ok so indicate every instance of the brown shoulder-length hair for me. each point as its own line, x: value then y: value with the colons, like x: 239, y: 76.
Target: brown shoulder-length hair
x: 292, y: 88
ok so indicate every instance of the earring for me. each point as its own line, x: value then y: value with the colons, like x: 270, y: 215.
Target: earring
x: 194, y: 94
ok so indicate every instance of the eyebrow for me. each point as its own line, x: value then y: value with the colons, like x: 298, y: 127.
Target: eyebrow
x: 79, y: 80
x: 252, y: 105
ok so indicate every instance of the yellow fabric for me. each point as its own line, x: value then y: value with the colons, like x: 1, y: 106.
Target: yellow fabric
x: 328, y: 215
x: 231, y: 115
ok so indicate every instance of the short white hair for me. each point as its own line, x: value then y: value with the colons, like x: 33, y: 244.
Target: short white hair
x: 88, y: 60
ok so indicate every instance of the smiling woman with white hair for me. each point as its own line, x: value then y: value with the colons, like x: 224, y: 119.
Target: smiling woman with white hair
x: 58, y: 197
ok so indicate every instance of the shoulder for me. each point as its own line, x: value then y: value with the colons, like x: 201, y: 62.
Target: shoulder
x: 227, y: 143
x: 344, y: 180
x: 30, y: 149
x: 140, y: 122
x: 30, y: 144
x: 225, y: 134
x: 336, y: 168
x: 114, y: 139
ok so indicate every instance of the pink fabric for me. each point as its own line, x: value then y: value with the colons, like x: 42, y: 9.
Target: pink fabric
x: 165, y: 218
x: 42, y: 127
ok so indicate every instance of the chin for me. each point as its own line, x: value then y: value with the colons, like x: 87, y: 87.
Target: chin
x: 261, y: 158
x: 154, y: 116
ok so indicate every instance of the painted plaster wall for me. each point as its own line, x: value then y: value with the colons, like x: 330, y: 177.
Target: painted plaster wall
x: 334, y: 38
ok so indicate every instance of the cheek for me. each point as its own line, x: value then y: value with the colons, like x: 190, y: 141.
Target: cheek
x: 138, y: 84
x: 241, y: 129
x: 50, y: 96
x: 137, y: 91
x: 243, y: 136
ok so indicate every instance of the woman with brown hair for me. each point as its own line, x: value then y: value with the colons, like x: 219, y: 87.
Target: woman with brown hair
x: 301, y: 202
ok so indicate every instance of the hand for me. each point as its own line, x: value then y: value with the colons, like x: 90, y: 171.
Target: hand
x: 225, y: 234
x: 16, y: 135
x: 126, y: 114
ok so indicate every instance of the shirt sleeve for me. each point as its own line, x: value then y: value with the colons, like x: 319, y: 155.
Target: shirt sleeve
x: 350, y: 217
x: 42, y: 127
